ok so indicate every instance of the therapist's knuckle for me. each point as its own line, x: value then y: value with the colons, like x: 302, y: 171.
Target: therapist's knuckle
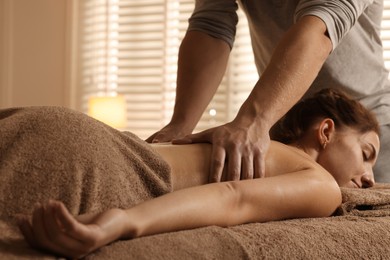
x: 235, y: 173
x: 218, y: 163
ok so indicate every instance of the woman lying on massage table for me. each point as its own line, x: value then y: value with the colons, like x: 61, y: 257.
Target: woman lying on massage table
x: 330, y: 141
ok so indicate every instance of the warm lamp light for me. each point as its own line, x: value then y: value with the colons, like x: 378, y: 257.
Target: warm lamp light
x: 108, y: 109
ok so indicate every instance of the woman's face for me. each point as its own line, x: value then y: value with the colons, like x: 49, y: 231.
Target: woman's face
x: 350, y: 157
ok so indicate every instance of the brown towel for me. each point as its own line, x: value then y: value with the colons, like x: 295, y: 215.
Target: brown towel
x: 57, y: 153
x: 372, y: 202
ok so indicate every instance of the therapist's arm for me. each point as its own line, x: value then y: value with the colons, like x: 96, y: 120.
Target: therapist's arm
x: 201, y: 66
x: 241, y: 145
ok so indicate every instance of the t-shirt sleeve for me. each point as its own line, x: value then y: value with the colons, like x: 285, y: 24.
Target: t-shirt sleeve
x: 217, y: 18
x: 338, y: 15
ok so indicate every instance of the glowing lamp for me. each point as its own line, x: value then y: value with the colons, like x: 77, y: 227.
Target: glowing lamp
x: 108, y: 109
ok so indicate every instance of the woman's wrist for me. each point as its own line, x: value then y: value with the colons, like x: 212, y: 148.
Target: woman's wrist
x: 114, y: 225
x: 128, y: 224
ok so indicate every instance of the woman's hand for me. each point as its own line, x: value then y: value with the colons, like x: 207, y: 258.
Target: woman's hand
x: 54, y: 229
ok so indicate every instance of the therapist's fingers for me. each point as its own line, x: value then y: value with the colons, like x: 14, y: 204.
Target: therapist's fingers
x: 259, y: 163
x: 234, y: 165
x: 161, y: 137
x: 218, y: 156
x: 247, y: 168
x: 205, y: 136
x: 259, y: 154
x: 218, y: 153
x: 167, y: 134
x: 231, y: 159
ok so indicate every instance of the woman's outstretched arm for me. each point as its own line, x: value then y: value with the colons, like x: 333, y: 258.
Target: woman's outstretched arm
x: 311, y: 192
x: 306, y: 193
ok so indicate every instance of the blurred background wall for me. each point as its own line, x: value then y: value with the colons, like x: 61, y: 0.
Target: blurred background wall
x: 35, y: 44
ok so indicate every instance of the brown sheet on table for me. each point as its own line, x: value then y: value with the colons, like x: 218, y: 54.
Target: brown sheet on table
x: 63, y: 155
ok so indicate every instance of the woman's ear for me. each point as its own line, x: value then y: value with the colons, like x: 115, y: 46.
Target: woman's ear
x: 326, y: 132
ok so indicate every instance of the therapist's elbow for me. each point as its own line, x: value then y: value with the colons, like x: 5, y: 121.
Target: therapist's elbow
x: 315, y: 33
x: 325, y: 44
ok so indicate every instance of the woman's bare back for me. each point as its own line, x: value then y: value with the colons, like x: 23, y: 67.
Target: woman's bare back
x: 190, y: 164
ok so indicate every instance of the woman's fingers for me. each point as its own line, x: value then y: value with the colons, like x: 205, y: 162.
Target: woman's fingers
x: 27, y: 232
x: 38, y: 228
x: 54, y: 229
x: 72, y: 227
x: 35, y: 233
x: 65, y: 220
x: 71, y: 235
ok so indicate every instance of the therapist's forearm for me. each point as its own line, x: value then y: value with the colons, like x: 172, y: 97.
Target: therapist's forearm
x: 294, y: 66
x: 201, y: 66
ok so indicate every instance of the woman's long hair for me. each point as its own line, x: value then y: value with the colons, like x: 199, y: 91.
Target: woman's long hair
x: 327, y: 103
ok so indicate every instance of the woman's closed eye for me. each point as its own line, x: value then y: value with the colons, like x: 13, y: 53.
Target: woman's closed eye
x: 366, y: 155
x: 369, y: 153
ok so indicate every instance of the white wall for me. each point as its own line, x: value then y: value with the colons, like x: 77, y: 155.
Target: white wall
x: 35, y: 56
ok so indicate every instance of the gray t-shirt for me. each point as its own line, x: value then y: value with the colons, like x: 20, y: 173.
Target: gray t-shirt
x: 356, y: 63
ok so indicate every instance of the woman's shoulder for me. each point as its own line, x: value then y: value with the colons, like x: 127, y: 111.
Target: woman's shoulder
x: 282, y: 159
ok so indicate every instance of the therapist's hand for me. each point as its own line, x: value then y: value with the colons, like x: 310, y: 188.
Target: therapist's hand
x: 238, y: 152
x: 167, y: 134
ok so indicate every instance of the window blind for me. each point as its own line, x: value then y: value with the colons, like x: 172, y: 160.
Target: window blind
x: 130, y: 47
x: 385, y: 33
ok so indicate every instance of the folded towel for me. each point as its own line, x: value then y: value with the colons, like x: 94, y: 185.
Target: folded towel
x: 372, y: 202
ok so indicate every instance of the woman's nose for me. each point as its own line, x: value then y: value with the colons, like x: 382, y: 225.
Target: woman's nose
x: 367, y: 180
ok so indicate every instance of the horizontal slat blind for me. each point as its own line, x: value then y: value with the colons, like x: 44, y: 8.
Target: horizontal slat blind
x: 385, y: 33
x: 130, y: 47
x: 141, y: 50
